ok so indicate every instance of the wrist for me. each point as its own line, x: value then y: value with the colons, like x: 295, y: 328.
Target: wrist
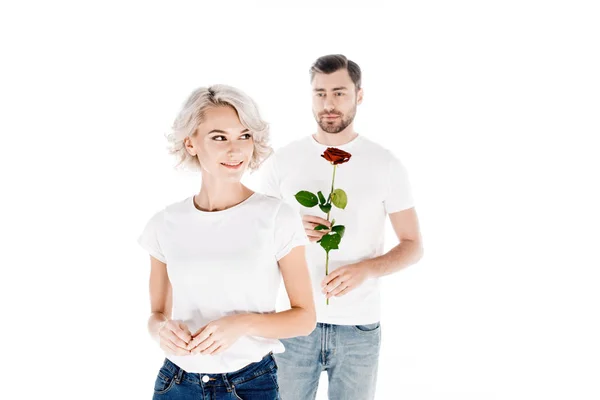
x: 370, y: 268
x: 247, y: 323
x: 156, y: 323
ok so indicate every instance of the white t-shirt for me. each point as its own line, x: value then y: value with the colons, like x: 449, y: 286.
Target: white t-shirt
x: 376, y: 184
x: 223, y: 263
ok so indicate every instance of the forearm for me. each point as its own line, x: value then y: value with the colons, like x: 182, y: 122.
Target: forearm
x: 404, y: 254
x: 286, y: 324
x: 155, y: 321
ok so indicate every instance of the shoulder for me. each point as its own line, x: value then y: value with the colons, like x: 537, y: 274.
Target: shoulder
x: 273, y: 205
x: 178, y: 207
x: 377, y: 150
x: 172, y: 211
x: 268, y: 202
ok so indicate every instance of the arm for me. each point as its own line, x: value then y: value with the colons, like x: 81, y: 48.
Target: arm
x: 300, y: 320
x: 161, y: 297
x: 409, y: 251
x: 172, y: 336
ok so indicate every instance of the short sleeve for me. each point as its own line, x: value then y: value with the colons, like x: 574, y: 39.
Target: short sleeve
x: 149, y: 237
x: 399, y: 193
x: 289, y: 231
x: 268, y: 178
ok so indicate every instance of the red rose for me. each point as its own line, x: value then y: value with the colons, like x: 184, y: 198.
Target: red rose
x: 336, y: 156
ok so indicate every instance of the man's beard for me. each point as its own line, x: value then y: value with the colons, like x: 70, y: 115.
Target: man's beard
x: 337, y: 125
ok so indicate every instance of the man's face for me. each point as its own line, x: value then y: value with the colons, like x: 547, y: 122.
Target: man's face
x: 334, y: 100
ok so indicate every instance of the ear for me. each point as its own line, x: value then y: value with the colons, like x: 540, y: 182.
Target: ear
x: 359, y: 96
x: 189, y: 147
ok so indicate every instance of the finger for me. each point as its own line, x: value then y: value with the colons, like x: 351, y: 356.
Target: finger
x: 316, y: 220
x: 309, y: 226
x: 204, y: 345
x: 346, y: 290
x: 173, y: 338
x: 220, y: 349
x: 205, y: 334
x: 333, y: 284
x: 338, y: 289
x: 211, y: 348
x: 312, y: 232
x: 180, y: 331
x: 331, y: 276
x: 187, y: 331
x: 171, y: 348
x: 316, y: 234
x: 195, y: 338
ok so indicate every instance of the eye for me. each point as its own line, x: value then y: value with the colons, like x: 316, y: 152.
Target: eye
x: 339, y: 94
x: 219, y: 138
x: 320, y: 94
x: 246, y: 136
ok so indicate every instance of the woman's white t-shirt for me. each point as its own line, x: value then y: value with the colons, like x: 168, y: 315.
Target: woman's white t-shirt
x: 223, y: 263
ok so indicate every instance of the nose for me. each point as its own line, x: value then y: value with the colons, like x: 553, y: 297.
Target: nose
x: 234, y: 150
x: 328, y: 104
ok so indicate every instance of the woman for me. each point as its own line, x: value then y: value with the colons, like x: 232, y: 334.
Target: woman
x: 217, y: 259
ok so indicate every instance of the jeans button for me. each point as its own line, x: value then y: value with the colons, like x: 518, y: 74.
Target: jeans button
x: 205, y: 378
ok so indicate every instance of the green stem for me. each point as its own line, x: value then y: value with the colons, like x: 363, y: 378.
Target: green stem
x: 327, y: 269
x: 329, y: 202
x: 331, y: 193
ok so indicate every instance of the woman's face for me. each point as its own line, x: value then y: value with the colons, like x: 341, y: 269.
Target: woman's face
x: 223, y: 145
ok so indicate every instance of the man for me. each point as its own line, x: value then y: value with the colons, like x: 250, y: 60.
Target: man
x: 347, y: 338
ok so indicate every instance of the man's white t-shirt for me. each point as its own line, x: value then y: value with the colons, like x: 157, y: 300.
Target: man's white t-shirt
x: 376, y: 184
x: 223, y: 263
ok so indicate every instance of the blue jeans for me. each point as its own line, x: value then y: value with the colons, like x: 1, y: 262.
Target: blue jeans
x: 349, y: 354
x: 257, y: 381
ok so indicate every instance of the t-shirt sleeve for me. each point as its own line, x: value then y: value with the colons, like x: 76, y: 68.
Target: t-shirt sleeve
x: 268, y: 178
x: 399, y: 193
x: 149, y: 239
x: 289, y: 231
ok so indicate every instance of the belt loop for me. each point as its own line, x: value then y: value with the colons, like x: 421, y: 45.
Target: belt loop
x: 228, y: 385
x: 179, y: 376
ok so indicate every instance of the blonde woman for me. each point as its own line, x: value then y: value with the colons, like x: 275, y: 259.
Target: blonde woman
x: 217, y: 259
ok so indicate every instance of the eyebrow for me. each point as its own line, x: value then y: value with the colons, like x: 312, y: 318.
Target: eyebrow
x: 223, y: 132
x: 333, y: 90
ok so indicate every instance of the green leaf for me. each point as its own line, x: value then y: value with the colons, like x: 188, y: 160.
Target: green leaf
x: 330, y: 242
x: 325, y: 208
x: 307, y: 199
x: 322, y: 200
x: 320, y: 227
x: 339, y: 229
x: 339, y: 198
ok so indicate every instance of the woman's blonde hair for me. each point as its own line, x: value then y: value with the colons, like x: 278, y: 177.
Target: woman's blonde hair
x: 193, y: 113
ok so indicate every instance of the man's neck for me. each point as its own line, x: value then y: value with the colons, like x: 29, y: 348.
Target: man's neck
x: 335, y: 139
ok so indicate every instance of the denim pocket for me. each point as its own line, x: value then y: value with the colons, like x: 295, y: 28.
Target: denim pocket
x: 368, y: 328
x: 266, y: 384
x: 164, y: 381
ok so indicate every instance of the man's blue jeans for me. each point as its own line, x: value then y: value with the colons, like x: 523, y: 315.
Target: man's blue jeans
x: 349, y: 354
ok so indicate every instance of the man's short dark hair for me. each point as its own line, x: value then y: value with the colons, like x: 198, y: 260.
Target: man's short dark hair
x: 334, y: 62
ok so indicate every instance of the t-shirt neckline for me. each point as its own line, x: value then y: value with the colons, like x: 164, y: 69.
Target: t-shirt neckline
x: 220, y: 212
x: 344, y: 146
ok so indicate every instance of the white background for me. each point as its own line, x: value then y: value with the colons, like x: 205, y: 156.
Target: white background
x: 493, y: 107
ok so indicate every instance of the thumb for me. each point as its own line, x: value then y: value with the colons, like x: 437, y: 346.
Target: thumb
x: 195, y: 340
x: 182, y: 332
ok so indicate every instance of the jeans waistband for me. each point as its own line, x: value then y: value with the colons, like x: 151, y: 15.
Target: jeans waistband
x: 267, y: 364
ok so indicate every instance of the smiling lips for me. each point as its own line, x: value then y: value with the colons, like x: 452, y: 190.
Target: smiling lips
x: 232, y: 165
